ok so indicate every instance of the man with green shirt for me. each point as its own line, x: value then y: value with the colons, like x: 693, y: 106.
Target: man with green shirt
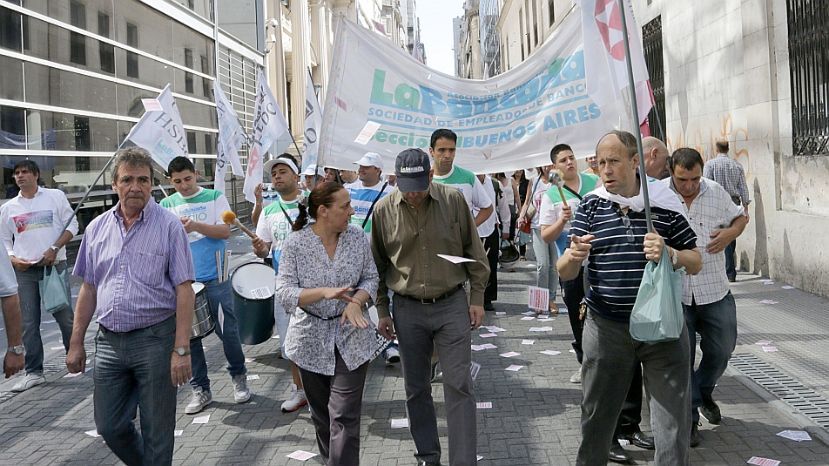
x: 274, y: 225
x: 200, y: 211
x: 412, y: 225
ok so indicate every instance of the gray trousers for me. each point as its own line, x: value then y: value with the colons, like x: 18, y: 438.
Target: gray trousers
x: 444, y: 326
x: 610, y: 356
x: 336, y: 402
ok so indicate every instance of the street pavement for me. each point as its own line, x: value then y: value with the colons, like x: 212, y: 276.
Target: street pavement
x: 534, y: 413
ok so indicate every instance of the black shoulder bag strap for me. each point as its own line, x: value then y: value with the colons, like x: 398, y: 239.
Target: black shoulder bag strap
x: 573, y: 192
x: 371, y: 208
x: 288, y: 217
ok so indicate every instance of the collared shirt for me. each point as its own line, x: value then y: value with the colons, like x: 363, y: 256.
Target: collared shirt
x: 710, y: 210
x: 406, y: 240
x: 730, y: 175
x: 617, y: 259
x: 311, y: 340
x: 475, y: 194
x: 205, y: 206
x: 135, y: 272
x: 29, y: 226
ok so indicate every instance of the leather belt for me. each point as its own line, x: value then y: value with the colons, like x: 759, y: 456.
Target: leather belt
x: 435, y: 299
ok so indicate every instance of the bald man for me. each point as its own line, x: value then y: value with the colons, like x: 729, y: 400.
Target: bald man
x: 656, y: 158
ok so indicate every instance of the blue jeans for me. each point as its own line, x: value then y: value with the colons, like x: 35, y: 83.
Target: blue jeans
x: 132, y: 371
x: 228, y: 333
x: 731, y: 260
x: 716, y: 324
x: 29, y: 293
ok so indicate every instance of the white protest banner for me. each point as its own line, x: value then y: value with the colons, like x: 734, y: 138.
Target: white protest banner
x: 313, y: 124
x: 231, y: 138
x: 604, y: 57
x: 504, y: 123
x: 270, y: 131
x: 160, y: 130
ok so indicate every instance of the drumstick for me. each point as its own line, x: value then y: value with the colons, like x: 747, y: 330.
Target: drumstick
x: 230, y: 219
x: 219, y: 274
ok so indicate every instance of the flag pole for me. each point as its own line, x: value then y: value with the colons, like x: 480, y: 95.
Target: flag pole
x: 643, y: 177
x: 92, y: 186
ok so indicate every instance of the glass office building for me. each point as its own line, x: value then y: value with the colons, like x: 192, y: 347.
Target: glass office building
x: 73, y: 73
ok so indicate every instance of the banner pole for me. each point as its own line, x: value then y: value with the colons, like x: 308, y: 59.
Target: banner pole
x: 643, y: 176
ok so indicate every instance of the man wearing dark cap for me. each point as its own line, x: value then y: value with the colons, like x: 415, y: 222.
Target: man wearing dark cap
x: 411, y: 226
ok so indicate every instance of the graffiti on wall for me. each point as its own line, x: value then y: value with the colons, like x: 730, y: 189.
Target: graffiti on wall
x: 703, y: 140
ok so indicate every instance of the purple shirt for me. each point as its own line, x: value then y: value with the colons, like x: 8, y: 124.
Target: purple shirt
x: 135, y: 272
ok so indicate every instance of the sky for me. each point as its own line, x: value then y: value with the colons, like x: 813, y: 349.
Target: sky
x: 436, y: 32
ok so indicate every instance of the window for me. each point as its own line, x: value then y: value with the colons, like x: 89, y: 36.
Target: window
x: 188, y: 77
x: 535, y: 23
x: 205, y: 83
x: 191, y: 142
x: 551, y: 11
x: 652, y: 45
x: 521, y: 31
x: 132, y: 57
x: 809, y: 67
x: 106, y: 51
x: 10, y: 30
x: 77, y: 42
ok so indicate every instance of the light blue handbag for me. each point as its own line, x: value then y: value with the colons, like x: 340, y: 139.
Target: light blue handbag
x: 657, y: 315
x: 52, y: 288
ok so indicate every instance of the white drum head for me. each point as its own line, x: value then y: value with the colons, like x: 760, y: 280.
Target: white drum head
x: 254, y: 281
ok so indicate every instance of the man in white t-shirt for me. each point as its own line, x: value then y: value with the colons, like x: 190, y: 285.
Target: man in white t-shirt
x: 34, y: 230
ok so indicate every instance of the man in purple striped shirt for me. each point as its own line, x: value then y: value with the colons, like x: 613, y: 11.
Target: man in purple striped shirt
x: 137, y: 275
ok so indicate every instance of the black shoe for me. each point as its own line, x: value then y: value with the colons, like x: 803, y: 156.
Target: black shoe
x: 427, y: 463
x: 489, y: 307
x: 711, y: 411
x: 638, y: 439
x: 617, y: 453
x: 695, y: 439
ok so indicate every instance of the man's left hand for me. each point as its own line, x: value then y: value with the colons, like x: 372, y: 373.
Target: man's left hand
x: 12, y: 363
x: 476, y: 316
x: 180, y: 369
x: 720, y: 239
x: 653, y: 246
x: 49, y: 257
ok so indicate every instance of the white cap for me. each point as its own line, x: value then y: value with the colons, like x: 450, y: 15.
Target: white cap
x: 310, y: 170
x: 370, y: 159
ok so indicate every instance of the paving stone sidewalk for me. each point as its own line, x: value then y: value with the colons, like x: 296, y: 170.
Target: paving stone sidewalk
x: 534, y: 418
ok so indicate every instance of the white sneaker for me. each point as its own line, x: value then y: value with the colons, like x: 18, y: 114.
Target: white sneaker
x: 576, y: 377
x: 201, y: 398
x: 296, y: 401
x: 392, y: 355
x: 241, y: 392
x: 28, y: 381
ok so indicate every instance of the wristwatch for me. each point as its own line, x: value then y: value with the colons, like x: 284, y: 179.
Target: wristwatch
x: 674, y: 256
x: 182, y: 350
x: 54, y: 248
x: 18, y: 350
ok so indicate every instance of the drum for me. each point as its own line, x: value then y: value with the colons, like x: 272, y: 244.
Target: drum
x: 253, y: 289
x: 202, y: 322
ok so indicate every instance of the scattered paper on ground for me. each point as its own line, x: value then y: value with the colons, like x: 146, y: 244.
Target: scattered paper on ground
x: 250, y: 359
x: 510, y: 354
x: 455, y: 259
x: 787, y: 287
x: 529, y: 313
x: 796, y: 435
x: 541, y: 329
x: 768, y: 282
x: 488, y: 335
x: 178, y: 433
x: 201, y: 419
x: 488, y: 346
x: 545, y: 319
x: 474, y: 368
x: 768, y: 301
x: 527, y: 342
x: 573, y: 351
x: 92, y: 433
x: 763, y: 343
x: 500, y: 313
x: 514, y: 368
x: 760, y: 461
x: 253, y: 377
x: 480, y: 457
x: 494, y: 329
x: 301, y: 455
x: 477, y: 348
x: 551, y: 352
x: 400, y: 423
x: 484, y: 405
x: 528, y: 318
x: 770, y: 349
x: 71, y: 375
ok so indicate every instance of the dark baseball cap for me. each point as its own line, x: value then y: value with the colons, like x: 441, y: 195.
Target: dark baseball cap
x: 412, y: 169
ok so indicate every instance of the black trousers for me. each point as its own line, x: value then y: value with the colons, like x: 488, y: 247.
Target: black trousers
x: 492, y: 246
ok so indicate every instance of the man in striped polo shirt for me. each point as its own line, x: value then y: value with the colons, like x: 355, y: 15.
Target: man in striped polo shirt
x: 365, y: 193
x: 200, y: 211
x: 610, y: 231
x: 442, y: 150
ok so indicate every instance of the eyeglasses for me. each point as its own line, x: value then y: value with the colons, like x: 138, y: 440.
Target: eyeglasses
x: 626, y: 222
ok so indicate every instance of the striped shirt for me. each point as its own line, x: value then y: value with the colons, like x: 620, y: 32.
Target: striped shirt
x: 135, y: 272
x: 274, y: 225
x: 362, y: 197
x: 617, y: 259
x: 730, y: 175
x: 712, y: 209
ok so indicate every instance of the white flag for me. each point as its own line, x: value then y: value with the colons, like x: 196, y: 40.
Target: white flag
x: 313, y: 123
x: 231, y: 138
x: 270, y: 131
x: 604, y: 55
x: 160, y: 130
